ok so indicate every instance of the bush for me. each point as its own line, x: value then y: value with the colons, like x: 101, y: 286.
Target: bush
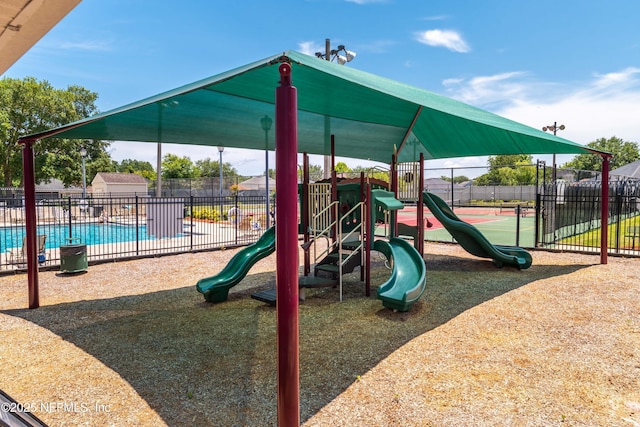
x: 206, y: 213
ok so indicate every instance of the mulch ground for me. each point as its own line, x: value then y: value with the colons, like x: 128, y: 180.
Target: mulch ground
x: 133, y: 343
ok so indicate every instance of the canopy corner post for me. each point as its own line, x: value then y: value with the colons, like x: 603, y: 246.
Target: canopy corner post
x: 420, y: 209
x: 287, y: 318
x: 604, y: 213
x: 394, y: 189
x: 29, y: 183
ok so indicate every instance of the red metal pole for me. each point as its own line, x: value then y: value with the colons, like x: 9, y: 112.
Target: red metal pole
x: 371, y: 221
x: 394, y: 175
x: 333, y: 153
x: 29, y: 181
x: 287, y: 251
x: 305, y: 211
x: 420, y: 209
x: 394, y: 188
x: 334, y: 198
x: 604, y: 214
x: 362, y: 223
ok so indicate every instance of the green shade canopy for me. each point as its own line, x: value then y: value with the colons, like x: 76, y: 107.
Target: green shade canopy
x: 369, y: 116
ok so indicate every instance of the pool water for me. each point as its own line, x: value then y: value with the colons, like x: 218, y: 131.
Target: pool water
x: 89, y: 234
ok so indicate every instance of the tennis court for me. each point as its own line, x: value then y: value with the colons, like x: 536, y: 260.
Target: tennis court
x: 500, y: 226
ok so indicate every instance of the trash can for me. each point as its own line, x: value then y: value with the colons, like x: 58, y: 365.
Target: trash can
x: 97, y: 211
x: 73, y: 256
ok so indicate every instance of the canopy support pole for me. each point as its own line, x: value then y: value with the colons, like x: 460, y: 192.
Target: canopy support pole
x: 409, y: 130
x: 287, y: 329
x: 393, y: 227
x: 369, y: 236
x: 29, y: 181
x: 604, y: 213
x: 420, y: 210
x: 305, y: 211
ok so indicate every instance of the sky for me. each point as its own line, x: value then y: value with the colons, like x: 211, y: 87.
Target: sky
x: 569, y: 62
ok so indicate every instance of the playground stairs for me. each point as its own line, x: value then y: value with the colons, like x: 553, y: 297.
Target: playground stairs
x: 329, y: 266
x: 325, y: 273
x: 269, y: 296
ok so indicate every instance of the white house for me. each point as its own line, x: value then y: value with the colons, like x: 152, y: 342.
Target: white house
x: 119, y: 183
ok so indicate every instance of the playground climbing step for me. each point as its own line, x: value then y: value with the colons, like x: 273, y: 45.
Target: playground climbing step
x: 351, y: 245
x: 269, y: 296
x: 329, y: 265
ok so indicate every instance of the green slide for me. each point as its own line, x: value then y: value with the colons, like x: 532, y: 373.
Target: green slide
x: 216, y: 288
x: 471, y: 239
x: 408, y: 275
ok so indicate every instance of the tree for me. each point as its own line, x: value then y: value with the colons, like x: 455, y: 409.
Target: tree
x: 66, y: 166
x: 510, y: 169
x: 174, y: 166
x: 142, y: 168
x: 315, y: 173
x: 341, y: 167
x: 624, y: 152
x: 29, y: 106
x: 509, y: 160
x: 456, y: 179
x: 372, y: 173
x: 211, y: 168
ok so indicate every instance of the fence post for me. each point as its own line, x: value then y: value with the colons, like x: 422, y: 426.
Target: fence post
x: 137, y: 228
x: 69, y: 210
x: 618, y: 218
x: 536, y: 228
x: 518, y: 210
x: 237, y: 221
x: 191, y: 221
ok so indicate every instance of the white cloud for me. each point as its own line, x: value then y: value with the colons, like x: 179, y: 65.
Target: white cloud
x: 601, y: 107
x: 444, y: 38
x: 487, y: 90
x: 310, y: 48
x: 86, y: 45
x: 435, y: 18
x: 627, y: 77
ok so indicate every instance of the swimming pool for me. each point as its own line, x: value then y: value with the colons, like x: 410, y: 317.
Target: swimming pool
x: 90, y: 234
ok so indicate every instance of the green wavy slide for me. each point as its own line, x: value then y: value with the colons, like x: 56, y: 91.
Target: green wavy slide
x: 408, y: 274
x: 472, y: 240
x: 216, y: 288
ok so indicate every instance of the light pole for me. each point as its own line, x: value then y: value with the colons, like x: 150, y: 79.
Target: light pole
x: 220, y: 150
x: 551, y: 210
x: 553, y: 128
x: 331, y: 55
x: 266, y: 122
x: 83, y: 154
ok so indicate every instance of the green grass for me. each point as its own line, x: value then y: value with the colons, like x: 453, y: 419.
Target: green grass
x: 591, y: 238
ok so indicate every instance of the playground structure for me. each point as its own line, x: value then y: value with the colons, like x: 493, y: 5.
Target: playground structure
x: 344, y: 213
x: 472, y: 240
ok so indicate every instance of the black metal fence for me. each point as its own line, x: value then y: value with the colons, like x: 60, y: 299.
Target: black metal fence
x: 570, y: 216
x: 567, y: 217
x: 199, y: 187
x: 123, y: 227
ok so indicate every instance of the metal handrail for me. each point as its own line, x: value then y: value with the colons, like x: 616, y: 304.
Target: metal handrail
x: 323, y: 232
x: 342, y: 239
